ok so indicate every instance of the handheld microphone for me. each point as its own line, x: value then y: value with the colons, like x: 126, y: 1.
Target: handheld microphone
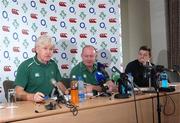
x: 101, y: 80
x: 53, y: 81
x: 122, y: 84
x: 122, y: 89
x: 101, y: 68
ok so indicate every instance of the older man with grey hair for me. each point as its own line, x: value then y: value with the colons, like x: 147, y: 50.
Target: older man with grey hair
x: 34, y: 75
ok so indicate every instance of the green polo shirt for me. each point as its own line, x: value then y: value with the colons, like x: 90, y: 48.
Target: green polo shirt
x: 82, y: 71
x: 35, y: 76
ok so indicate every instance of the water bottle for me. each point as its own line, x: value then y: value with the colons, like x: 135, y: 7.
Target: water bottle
x: 74, y: 91
x: 81, y: 89
x: 164, y: 79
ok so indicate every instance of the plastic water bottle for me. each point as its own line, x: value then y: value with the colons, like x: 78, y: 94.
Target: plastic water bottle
x: 164, y: 79
x: 81, y: 89
x: 131, y: 84
x: 74, y: 91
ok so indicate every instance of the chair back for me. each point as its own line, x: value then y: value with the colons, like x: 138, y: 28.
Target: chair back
x: 8, y: 84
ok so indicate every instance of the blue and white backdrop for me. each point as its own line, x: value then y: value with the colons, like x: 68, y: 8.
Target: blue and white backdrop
x: 71, y: 23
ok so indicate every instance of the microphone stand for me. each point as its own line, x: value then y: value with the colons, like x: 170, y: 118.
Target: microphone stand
x: 68, y: 104
x: 158, y: 99
x: 148, y: 74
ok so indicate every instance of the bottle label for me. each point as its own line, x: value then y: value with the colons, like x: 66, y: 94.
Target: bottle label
x: 81, y: 96
x: 74, y: 96
x: 164, y: 80
x: 164, y: 83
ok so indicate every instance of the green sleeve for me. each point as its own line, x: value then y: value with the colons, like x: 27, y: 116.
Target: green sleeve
x: 21, y: 76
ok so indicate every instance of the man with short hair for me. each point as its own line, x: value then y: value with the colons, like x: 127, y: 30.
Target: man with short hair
x: 34, y: 76
x: 141, y: 67
x: 87, y: 69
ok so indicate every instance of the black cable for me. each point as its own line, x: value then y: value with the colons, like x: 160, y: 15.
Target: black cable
x: 61, y: 99
x: 68, y: 104
x: 73, y: 108
x: 135, y: 104
x: 52, y: 106
x: 164, y: 107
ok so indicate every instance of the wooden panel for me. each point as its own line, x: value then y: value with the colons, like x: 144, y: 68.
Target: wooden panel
x: 97, y: 110
x: 169, y: 107
x: 124, y: 113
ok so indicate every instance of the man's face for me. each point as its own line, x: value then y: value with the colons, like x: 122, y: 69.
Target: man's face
x: 44, y: 52
x: 89, y: 56
x: 143, y: 56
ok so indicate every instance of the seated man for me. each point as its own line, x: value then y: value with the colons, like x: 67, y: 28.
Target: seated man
x: 34, y: 76
x: 141, y: 69
x: 87, y: 70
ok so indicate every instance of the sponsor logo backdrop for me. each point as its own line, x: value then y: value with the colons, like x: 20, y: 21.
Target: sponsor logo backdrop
x: 71, y: 23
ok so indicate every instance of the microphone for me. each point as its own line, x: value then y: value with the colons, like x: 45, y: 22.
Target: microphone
x: 122, y: 84
x: 123, y: 76
x: 114, y: 69
x: 53, y: 81
x: 122, y: 89
x: 101, y: 79
x: 60, y: 96
x: 101, y: 68
x: 148, y: 63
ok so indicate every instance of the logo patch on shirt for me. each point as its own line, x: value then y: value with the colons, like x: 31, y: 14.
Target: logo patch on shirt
x: 52, y: 73
x: 84, y: 75
x: 37, y: 75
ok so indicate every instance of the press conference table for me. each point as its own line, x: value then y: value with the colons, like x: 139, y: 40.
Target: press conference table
x: 98, y: 110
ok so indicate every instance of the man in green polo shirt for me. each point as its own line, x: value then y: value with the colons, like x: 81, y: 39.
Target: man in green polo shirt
x: 34, y: 76
x: 87, y: 69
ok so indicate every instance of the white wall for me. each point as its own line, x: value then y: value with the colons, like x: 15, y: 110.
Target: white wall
x: 158, y: 32
x: 143, y: 23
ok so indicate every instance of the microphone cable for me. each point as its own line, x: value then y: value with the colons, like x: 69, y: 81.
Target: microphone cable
x: 72, y: 107
x: 68, y: 104
x: 61, y: 99
x: 165, y: 104
x: 52, y: 106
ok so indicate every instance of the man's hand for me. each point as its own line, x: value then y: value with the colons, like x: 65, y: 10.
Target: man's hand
x: 90, y: 88
x: 38, y: 97
x: 112, y: 87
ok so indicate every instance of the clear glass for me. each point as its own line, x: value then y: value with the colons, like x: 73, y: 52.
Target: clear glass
x: 11, y: 96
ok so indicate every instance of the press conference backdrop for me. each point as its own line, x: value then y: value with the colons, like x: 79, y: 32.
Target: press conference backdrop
x: 71, y: 23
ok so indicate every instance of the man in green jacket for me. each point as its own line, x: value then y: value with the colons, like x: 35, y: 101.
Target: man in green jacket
x: 35, y: 75
x: 87, y: 69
